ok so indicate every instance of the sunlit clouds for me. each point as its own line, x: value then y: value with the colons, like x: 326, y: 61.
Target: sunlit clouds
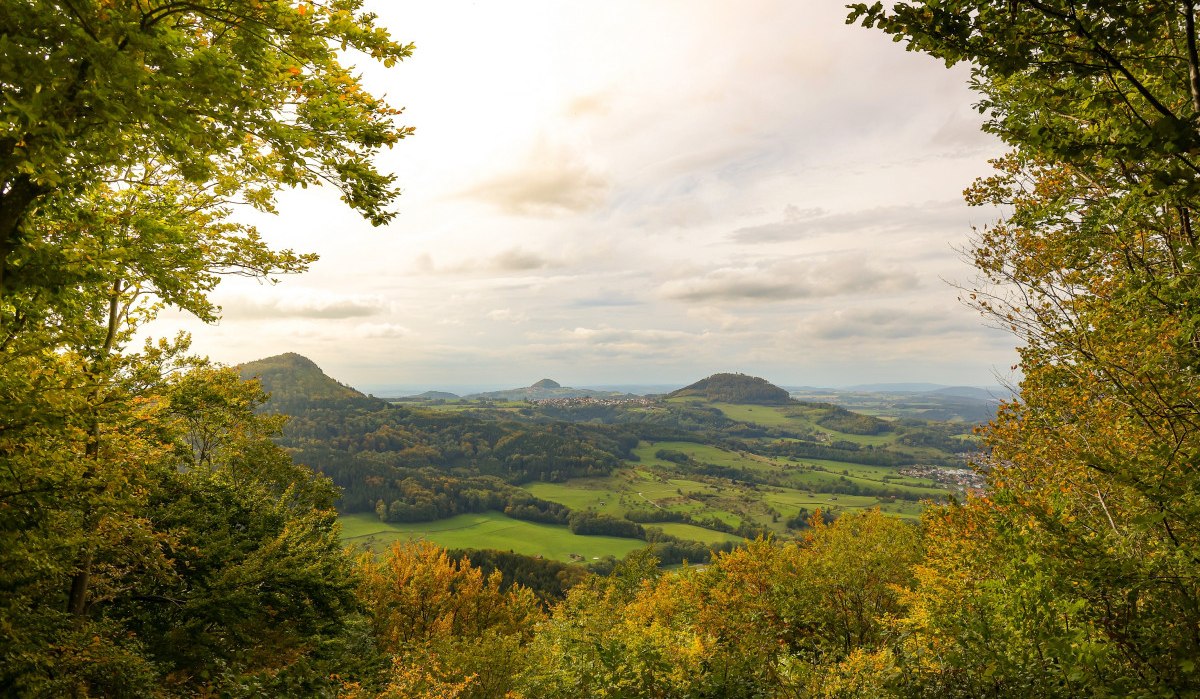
x: 642, y: 193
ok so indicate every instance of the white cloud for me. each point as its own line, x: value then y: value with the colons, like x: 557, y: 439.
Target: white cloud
x: 788, y: 281
x: 288, y: 302
x: 507, y: 315
x: 381, y: 330
x: 551, y: 181
x: 593, y: 196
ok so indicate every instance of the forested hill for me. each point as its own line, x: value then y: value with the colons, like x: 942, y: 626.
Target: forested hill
x: 735, y: 388
x: 423, y: 464
x: 296, y: 382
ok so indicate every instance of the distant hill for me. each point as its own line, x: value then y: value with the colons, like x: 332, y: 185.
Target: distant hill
x: 544, y: 390
x: 294, y: 380
x: 432, y: 395
x: 895, y: 387
x: 983, y: 394
x: 735, y: 388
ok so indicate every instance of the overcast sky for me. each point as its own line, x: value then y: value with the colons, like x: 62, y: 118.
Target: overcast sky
x: 642, y: 191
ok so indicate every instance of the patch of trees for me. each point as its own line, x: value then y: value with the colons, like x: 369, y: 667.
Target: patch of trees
x: 428, y: 495
x: 803, y: 519
x: 649, y: 515
x: 837, y: 418
x: 600, y: 524
x: 550, y: 580
x: 743, y: 529
x: 671, y: 550
x: 943, y: 436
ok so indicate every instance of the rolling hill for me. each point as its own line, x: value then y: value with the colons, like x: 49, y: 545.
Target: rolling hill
x: 294, y: 380
x: 735, y: 388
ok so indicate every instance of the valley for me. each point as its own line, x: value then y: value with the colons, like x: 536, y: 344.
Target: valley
x: 583, y: 477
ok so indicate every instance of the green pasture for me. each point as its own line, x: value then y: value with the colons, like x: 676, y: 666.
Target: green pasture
x: 691, y: 532
x: 486, y: 530
x: 641, y: 489
x: 868, y: 472
x: 765, y: 415
x: 704, y: 453
x: 608, y: 495
x: 789, y: 501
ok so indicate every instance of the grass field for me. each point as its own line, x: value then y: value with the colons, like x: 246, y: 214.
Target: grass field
x: 694, y: 533
x: 653, y: 483
x: 487, y: 530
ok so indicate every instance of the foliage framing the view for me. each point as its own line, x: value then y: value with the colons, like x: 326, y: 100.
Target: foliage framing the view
x: 153, y: 540
x: 1082, y: 562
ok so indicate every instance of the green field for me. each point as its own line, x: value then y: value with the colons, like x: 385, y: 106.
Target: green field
x: 774, y: 494
x: 766, y: 415
x: 693, y: 533
x: 487, y: 530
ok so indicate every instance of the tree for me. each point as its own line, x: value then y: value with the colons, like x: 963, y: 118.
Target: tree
x: 445, y: 617
x: 1086, y: 549
x: 129, y: 133
x: 243, y: 88
x: 802, y: 618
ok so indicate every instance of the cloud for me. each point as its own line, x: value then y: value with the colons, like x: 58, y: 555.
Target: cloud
x: 299, y: 303
x: 507, y: 315
x: 606, y: 299
x: 593, y: 104
x: 720, y: 318
x: 602, y: 343
x: 799, y: 223
x: 789, y: 280
x: 515, y: 259
x: 381, y: 330
x: 889, y: 323
x: 610, y: 336
x: 553, y: 181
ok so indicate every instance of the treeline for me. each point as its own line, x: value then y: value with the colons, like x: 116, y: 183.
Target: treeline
x: 596, y: 523
x: 428, y: 465
x: 848, y: 452
x: 841, y: 420
x: 743, y: 528
x: 548, y: 579
x: 429, y: 495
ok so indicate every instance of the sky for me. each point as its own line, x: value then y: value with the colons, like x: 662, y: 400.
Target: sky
x: 641, y: 192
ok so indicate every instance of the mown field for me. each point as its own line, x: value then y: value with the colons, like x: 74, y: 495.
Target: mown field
x: 487, y: 530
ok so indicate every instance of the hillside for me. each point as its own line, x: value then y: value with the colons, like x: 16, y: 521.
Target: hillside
x: 294, y: 380
x: 735, y: 388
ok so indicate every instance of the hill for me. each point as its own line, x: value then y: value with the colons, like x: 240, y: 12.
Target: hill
x: 735, y: 388
x: 546, y: 476
x: 545, y: 389
x: 294, y: 380
x: 432, y: 395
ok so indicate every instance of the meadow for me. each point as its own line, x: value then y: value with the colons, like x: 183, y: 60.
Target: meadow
x: 486, y: 530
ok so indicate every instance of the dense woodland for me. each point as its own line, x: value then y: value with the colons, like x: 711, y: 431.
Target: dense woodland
x: 156, y: 541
